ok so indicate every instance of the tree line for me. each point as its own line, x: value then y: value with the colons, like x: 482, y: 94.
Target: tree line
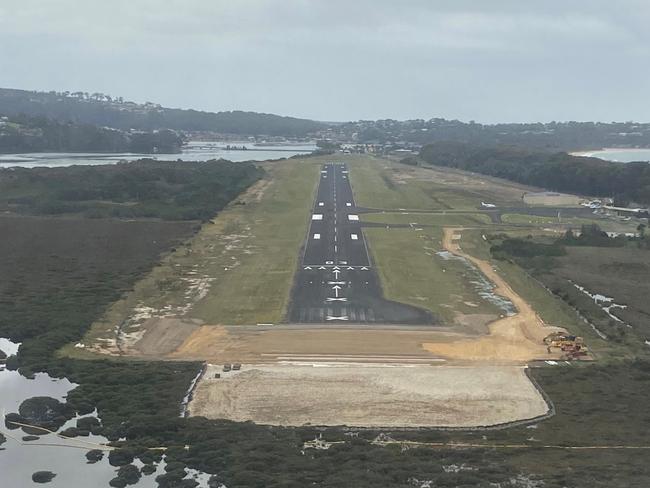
x: 23, y: 133
x: 144, y: 188
x: 558, y: 171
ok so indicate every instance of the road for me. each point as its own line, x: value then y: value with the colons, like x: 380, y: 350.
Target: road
x: 336, y: 281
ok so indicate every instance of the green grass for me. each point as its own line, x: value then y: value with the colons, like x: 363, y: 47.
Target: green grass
x: 417, y: 219
x: 411, y: 272
x: 375, y: 186
x: 258, y: 289
x: 237, y: 270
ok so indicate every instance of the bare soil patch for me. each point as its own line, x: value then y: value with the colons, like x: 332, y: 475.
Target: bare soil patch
x: 164, y: 335
x: 259, y: 345
x: 515, y: 338
x: 368, y: 396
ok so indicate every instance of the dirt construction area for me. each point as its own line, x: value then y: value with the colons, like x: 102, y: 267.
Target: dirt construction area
x: 368, y: 396
x: 519, y: 337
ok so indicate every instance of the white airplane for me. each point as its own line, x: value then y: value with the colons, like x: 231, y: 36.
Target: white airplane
x: 488, y: 205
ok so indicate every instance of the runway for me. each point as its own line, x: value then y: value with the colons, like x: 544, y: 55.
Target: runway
x: 336, y: 281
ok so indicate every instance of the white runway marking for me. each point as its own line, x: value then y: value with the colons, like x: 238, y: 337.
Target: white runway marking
x: 320, y: 204
x: 353, y: 217
x: 316, y: 236
x: 341, y: 299
x: 334, y: 317
x: 317, y: 217
x: 354, y: 237
x: 348, y: 204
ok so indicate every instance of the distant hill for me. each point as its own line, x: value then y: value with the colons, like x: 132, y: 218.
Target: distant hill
x: 24, y: 133
x: 103, y: 110
x: 552, y: 136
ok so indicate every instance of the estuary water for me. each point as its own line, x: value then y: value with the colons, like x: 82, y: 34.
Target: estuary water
x: 619, y: 155
x: 192, y: 151
x: 66, y: 458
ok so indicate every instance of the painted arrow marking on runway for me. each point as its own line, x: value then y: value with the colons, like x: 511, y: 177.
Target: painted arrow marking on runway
x: 322, y: 267
x: 336, y: 289
x: 334, y: 317
x: 363, y: 268
x: 336, y: 273
x: 307, y: 267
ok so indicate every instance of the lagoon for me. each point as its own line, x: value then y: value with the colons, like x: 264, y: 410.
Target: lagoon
x: 192, y: 151
x: 618, y: 155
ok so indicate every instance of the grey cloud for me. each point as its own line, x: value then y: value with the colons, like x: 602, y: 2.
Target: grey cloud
x: 497, y: 60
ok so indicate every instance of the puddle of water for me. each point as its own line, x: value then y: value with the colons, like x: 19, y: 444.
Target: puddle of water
x: 483, y: 286
x: 605, y: 303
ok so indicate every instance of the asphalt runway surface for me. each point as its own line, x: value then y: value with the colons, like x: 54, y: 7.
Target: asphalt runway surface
x: 336, y: 281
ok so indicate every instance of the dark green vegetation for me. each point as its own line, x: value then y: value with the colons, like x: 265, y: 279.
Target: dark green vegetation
x: 145, y: 188
x: 94, y: 456
x: 574, y: 267
x: 555, y: 171
x: 554, y: 136
x: 45, y: 412
x: 43, y: 476
x: 103, y: 110
x: 521, y: 248
x: 21, y: 133
x: 126, y: 475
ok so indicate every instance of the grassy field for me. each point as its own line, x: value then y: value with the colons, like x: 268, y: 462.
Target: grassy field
x: 257, y: 289
x: 239, y: 268
x: 411, y: 272
x: 418, y: 219
x: 385, y: 184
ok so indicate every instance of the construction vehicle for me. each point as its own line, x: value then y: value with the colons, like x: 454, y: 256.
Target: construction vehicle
x: 236, y: 367
x: 572, y: 347
x: 226, y: 368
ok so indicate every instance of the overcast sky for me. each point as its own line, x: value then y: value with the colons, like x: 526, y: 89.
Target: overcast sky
x: 483, y: 60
